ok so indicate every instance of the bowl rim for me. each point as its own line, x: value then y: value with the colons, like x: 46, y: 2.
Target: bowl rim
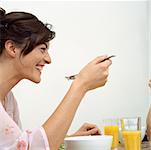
x: 88, y: 138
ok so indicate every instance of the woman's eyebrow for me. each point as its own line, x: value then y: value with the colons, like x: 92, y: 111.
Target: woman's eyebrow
x: 45, y: 45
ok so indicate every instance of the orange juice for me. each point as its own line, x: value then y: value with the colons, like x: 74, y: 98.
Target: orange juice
x: 132, y: 140
x: 114, y: 131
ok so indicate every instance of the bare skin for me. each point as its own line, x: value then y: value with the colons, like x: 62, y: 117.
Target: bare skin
x: 85, y: 81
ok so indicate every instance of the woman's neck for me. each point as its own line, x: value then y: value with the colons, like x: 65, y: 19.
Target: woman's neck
x: 8, y: 79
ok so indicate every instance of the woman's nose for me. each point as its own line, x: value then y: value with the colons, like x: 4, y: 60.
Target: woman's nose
x: 47, y: 58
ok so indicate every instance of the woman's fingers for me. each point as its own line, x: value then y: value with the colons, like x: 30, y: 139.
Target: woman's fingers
x: 93, y: 131
x: 99, y: 59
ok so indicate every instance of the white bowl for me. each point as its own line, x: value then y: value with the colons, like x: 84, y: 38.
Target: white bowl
x: 143, y: 130
x: 103, y: 142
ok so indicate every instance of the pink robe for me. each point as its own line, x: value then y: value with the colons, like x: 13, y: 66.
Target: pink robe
x: 11, y: 135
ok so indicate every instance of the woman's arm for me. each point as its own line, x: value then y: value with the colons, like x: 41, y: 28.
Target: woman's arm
x: 92, y: 76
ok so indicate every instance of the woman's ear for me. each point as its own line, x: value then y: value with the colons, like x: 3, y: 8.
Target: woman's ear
x: 10, y: 48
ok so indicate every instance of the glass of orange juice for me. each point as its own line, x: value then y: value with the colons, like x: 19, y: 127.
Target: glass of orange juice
x: 131, y: 133
x: 111, y: 127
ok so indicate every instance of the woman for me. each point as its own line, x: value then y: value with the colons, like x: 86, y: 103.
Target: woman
x: 24, y: 44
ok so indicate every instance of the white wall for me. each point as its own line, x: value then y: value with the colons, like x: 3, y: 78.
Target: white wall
x: 85, y: 30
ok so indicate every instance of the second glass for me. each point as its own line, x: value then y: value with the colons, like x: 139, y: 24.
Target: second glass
x: 131, y: 133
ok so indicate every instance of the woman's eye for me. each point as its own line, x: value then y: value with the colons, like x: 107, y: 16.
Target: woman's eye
x: 43, y: 50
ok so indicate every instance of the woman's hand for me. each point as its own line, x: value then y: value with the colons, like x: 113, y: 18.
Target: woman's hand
x: 87, y: 129
x: 148, y: 132
x: 149, y: 83
x: 94, y: 74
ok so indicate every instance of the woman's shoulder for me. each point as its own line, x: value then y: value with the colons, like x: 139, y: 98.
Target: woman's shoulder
x: 10, y: 93
x: 10, y: 101
x: 11, y: 108
x: 10, y: 97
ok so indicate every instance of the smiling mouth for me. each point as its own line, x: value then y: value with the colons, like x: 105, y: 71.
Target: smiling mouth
x: 39, y: 67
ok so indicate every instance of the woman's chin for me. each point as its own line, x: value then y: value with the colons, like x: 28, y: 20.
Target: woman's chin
x: 35, y: 77
x: 35, y: 80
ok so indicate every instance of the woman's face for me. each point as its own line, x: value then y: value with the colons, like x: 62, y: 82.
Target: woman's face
x: 32, y: 64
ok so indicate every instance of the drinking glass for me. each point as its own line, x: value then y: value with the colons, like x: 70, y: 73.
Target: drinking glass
x: 131, y: 133
x: 111, y: 127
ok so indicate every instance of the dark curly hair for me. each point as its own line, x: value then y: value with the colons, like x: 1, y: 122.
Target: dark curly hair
x: 25, y: 29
